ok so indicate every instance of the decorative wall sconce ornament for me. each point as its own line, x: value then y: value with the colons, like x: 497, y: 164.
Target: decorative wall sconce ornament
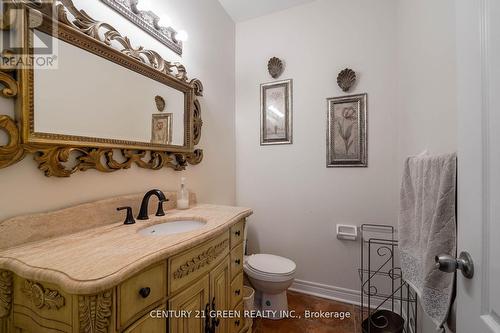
x: 147, y: 21
x: 160, y: 103
x: 346, y: 79
x: 275, y: 67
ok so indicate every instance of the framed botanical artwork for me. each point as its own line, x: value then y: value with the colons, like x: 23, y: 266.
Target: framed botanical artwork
x: 276, y: 113
x: 346, y: 137
x: 161, y: 128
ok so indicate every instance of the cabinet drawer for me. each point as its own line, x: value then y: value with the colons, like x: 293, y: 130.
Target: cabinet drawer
x: 148, y: 324
x: 237, y: 290
x: 238, y: 322
x: 236, y: 260
x: 237, y: 233
x: 186, y: 267
x: 140, y: 292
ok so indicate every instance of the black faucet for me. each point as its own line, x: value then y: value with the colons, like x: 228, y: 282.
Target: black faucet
x: 143, y: 213
x: 130, y: 217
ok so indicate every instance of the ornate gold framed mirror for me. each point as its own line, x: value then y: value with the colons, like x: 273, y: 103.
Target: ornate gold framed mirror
x: 94, y: 101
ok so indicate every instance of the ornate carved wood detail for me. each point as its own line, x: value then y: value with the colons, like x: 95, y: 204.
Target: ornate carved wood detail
x: 5, y: 293
x: 197, y: 123
x: 13, y: 151
x: 94, y: 312
x: 66, y: 13
x: 10, y: 87
x: 198, y: 87
x: 201, y: 260
x: 65, y: 159
x: 43, y: 297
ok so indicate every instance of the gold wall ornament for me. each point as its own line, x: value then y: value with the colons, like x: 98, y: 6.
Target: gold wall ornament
x: 201, y: 260
x: 62, y: 155
x: 5, y: 293
x: 43, y: 297
x: 275, y: 67
x: 346, y: 79
x: 160, y: 103
x: 94, y: 312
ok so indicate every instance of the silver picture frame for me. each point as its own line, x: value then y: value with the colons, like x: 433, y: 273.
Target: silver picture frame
x: 347, y: 131
x: 276, y: 102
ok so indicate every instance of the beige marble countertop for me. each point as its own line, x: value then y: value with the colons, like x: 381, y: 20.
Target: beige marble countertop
x: 99, y: 258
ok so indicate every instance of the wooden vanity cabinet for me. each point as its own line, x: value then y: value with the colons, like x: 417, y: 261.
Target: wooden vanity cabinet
x: 222, y: 283
x: 208, y: 274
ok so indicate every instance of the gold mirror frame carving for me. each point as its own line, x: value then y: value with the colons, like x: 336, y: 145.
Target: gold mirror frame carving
x: 52, y: 152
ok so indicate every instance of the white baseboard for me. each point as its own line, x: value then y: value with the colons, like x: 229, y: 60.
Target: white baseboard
x: 326, y: 291
x: 339, y: 294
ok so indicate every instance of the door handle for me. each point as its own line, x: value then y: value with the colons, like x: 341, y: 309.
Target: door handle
x: 208, y: 326
x: 449, y: 264
x: 215, y: 320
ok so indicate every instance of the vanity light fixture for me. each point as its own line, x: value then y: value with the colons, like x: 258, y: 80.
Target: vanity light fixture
x: 182, y: 36
x: 149, y: 22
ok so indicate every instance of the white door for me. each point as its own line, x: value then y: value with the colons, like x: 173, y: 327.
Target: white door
x: 478, y: 79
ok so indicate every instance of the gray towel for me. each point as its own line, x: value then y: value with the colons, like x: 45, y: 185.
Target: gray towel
x: 427, y: 227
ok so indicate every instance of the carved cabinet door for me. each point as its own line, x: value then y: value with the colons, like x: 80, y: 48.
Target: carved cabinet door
x: 148, y: 325
x: 220, y: 286
x: 187, y: 307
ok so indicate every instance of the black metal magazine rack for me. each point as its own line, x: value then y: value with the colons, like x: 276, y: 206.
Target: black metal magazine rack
x: 385, y: 296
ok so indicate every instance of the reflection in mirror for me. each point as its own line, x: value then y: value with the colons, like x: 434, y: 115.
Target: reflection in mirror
x: 89, y: 96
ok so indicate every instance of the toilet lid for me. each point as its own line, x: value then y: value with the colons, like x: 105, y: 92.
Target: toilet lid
x: 271, y: 264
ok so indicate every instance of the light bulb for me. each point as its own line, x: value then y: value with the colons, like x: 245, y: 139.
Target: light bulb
x: 181, y: 35
x: 165, y: 21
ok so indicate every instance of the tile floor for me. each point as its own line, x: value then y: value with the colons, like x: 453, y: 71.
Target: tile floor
x: 300, y: 303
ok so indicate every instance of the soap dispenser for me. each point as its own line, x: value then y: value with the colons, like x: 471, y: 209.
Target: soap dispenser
x: 183, y: 195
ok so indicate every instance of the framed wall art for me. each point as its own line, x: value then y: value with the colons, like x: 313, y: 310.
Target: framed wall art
x: 346, y: 137
x: 276, y: 113
x: 161, y: 128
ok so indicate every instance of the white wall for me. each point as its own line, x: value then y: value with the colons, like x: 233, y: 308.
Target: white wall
x: 209, y: 56
x: 297, y: 201
x: 427, y: 116
x: 427, y: 99
x: 404, y: 54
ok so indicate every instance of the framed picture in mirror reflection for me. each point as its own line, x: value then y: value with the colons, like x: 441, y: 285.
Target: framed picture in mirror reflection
x: 161, y: 128
x: 276, y: 113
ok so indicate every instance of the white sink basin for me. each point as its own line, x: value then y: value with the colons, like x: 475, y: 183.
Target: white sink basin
x: 171, y: 228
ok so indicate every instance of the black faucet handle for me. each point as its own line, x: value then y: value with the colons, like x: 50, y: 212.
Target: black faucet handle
x: 159, y: 211
x: 130, y: 217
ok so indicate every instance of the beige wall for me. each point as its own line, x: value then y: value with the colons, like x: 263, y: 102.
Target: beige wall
x: 298, y: 201
x: 209, y: 56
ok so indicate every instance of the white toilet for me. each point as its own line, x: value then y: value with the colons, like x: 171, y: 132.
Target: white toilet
x: 271, y: 276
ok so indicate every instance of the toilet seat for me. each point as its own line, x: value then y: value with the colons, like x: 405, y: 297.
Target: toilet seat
x: 268, y: 267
